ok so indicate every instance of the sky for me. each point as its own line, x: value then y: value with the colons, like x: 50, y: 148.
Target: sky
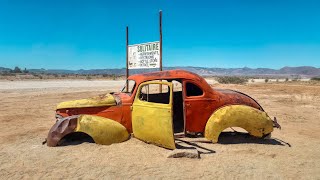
x: 79, y: 34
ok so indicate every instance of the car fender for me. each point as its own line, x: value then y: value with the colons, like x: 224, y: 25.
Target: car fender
x: 102, y: 130
x: 255, y: 121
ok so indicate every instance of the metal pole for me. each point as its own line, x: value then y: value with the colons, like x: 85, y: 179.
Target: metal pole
x: 160, y: 21
x: 160, y: 31
x: 127, y: 70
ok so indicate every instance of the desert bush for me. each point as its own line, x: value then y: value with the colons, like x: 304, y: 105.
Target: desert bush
x: 295, y: 79
x: 7, y: 73
x: 266, y: 80
x: 88, y: 78
x: 315, y: 79
x: 25, y: 70
x: 231, y: 80
x: 17, y: 70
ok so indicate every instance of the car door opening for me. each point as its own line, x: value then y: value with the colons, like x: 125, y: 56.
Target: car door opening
x: 152, y: 93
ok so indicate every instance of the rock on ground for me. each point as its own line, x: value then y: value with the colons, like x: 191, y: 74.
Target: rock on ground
x: 188, y: 153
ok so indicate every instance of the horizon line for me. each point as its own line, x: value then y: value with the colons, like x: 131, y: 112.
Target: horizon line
x: 163, y: 67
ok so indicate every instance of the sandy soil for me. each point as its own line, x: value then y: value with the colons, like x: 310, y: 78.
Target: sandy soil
x: 27, y: 113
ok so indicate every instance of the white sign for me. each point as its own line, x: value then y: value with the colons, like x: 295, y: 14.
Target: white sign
x: 146, y: 55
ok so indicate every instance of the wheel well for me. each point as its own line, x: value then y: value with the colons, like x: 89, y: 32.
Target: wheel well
x: 75, y: 138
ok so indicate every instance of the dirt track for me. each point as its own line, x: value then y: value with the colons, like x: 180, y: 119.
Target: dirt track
x: 27, y: 114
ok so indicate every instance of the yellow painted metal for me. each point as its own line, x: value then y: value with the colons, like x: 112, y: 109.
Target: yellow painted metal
x: 256, y: 122
x: 152, y: 122
x: 102, y: 100
x: 102, y: 130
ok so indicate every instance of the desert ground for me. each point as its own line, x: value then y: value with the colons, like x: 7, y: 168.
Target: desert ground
x: 27, y: 113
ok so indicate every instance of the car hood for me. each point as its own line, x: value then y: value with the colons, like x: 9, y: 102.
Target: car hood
x: 98, y: 101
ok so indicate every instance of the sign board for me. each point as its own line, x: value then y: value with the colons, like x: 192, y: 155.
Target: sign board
x: 146, y: 55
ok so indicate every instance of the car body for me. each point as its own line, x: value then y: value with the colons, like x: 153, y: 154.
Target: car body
x: 153, y: 106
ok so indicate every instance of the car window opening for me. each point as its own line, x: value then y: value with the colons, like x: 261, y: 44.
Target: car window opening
x: 152, y: 93
x: 131, y: 86
x: 193, y: 90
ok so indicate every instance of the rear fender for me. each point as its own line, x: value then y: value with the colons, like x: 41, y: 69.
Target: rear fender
x: 102, y: 130
x: 256, y: 122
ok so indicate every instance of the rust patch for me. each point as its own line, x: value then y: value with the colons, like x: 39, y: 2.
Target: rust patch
x: 60, y: 129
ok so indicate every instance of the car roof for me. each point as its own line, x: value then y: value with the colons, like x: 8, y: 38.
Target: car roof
x: 173, y: 74
x: 169, y: 74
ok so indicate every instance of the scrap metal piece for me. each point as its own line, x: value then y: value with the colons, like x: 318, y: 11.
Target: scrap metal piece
x: 61, y: 128
x: 276, y: 124
x: 102, y: 100
x: 102, y: 130
x: 256, y: 122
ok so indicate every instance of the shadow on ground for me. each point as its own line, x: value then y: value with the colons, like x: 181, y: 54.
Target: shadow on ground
x: 224, y: 138
x: 241, y: 138
x: 236, y: 138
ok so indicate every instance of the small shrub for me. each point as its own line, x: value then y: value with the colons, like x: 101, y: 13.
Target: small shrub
x: 17, y: 70
x: 7, y: 73
x: 266, y: 80
x: 231, y: 80
x: 88, y: 78
x: 287, y: 79
x: 25, y: 70
x: 315, y: 79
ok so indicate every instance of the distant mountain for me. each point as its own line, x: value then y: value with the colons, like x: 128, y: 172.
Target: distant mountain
x: 2, y: 69
x: 305, y: 70
x: 301, y: 71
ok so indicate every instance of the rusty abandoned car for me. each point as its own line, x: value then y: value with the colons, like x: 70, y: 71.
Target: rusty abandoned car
x: 154, y: 106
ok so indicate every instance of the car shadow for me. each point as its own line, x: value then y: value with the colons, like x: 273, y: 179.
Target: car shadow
x: 245, y: 138
x: 182, y: 144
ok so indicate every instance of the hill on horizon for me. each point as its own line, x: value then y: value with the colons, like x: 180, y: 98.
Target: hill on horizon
x: 300, y: 71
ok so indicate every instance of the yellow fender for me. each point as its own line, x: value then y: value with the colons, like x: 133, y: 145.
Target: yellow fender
x: 256, y: 122
x: 102, y: 130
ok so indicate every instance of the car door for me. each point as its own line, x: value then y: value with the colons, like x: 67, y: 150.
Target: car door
x: 197, y: 107
x: 152, y: 114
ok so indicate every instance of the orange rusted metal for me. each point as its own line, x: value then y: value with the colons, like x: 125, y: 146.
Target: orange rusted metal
x: 109, y: 117
x: 197, y: 109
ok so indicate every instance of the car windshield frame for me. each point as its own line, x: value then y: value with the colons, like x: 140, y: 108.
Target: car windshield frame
x: 125, y: 85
